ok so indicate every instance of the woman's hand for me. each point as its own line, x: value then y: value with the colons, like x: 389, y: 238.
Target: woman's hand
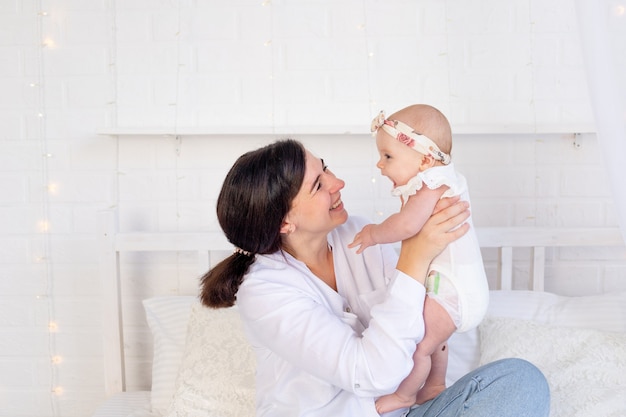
x: 444, y: 226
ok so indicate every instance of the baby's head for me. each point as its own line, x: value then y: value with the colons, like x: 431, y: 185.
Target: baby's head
x: 422, y: 128
x: 411, y: 140
x: 428, y: 121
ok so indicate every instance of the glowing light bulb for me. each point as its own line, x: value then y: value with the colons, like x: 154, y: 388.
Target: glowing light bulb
x: 267, y: 43
x: 57, y: 359
x: 373, y: 180
x: 266, y: 3
x: 52, y: 188
x: 48, y: 43
x: 53, y: 327
x: 620, y: 10
x: 57, y: 390
x: 44, y: 226
x: 371, y: 54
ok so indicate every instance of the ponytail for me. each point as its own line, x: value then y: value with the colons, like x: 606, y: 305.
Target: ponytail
x: 220, y: 284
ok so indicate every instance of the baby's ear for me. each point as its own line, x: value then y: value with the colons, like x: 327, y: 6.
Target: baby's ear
x: 428, y: 161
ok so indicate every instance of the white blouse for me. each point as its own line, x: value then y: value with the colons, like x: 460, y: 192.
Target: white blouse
x: 325, y: 353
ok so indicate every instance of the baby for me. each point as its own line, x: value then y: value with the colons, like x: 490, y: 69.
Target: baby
x: 414, y: 146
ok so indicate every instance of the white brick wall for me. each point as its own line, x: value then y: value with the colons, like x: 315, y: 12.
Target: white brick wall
x: 500, y: 70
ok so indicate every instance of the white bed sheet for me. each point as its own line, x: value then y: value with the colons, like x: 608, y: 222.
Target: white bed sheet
x: 127, y: 404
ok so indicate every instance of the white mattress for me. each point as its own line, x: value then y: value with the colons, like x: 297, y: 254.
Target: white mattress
x: 127, y: 404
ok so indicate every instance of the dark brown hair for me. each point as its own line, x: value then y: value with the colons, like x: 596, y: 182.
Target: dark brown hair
x: 253, y: 202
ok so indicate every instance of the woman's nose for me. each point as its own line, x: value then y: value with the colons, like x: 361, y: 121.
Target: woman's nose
x: 337, y: 184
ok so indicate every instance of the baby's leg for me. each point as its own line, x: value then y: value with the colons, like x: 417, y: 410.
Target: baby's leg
x: 431, y: 379
x: 436, y: 380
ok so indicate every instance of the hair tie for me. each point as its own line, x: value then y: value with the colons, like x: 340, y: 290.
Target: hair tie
x: 241, y: 251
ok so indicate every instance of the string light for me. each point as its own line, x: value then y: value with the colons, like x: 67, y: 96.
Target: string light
x: 620, y: 10
x: 52, y: 188
x: 48, y: 43
x: 376, y: 212
x: 43, y: 223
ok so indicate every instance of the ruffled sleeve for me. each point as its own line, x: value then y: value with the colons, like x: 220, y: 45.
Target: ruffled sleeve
x: 433, y: 178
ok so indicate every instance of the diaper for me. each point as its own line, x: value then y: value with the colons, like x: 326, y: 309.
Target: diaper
x: 466, y: 306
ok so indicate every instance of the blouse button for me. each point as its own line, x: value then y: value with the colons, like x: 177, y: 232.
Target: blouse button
x: 348, y: 310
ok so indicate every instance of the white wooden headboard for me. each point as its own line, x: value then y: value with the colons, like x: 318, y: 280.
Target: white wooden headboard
x: 113, y: 243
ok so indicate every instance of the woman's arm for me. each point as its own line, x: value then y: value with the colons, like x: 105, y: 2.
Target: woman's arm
x: 297, y: 325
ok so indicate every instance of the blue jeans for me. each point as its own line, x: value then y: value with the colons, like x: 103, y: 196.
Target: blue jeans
x: 505, y: 388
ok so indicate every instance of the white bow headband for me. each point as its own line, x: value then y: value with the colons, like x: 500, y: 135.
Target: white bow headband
x: 405, y: 134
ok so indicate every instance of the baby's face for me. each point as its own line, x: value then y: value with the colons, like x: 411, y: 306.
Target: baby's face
x: 397, y: 161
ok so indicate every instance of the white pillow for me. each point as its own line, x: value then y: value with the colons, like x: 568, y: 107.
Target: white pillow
x: 586, y: 369
x: 167, y: 318
x: 217, y: 373
x: 602, y: 312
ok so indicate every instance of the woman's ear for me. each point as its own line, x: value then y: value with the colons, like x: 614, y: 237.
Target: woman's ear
x: 287, y: 228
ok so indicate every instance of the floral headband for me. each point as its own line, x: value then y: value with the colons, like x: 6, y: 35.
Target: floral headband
x: 405, y: 134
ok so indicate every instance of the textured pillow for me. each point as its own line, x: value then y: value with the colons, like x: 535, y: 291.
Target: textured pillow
x: 601, y: 312
x: 167, y: 318
x: 586, y: 369
x: 216, y: 377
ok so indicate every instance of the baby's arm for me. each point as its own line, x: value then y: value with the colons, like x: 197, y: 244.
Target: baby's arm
x: 403, y: 224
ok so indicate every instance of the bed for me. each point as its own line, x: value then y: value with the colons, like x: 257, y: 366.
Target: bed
x: 203, y: 366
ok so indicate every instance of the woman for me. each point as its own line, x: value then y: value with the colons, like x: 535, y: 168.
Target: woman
x: 334, y: 330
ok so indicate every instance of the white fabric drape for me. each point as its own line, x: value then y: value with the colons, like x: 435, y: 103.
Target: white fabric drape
x: 602, y: 25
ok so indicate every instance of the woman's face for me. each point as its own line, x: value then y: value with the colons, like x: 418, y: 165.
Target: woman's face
x: 317, y: 207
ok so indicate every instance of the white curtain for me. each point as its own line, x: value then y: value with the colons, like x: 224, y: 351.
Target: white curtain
x: 602, y: 26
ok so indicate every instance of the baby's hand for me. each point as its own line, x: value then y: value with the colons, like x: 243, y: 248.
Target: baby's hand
x: 363, y: 239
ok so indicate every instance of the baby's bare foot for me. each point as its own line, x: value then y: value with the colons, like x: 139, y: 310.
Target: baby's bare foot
x: 428, y: 392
